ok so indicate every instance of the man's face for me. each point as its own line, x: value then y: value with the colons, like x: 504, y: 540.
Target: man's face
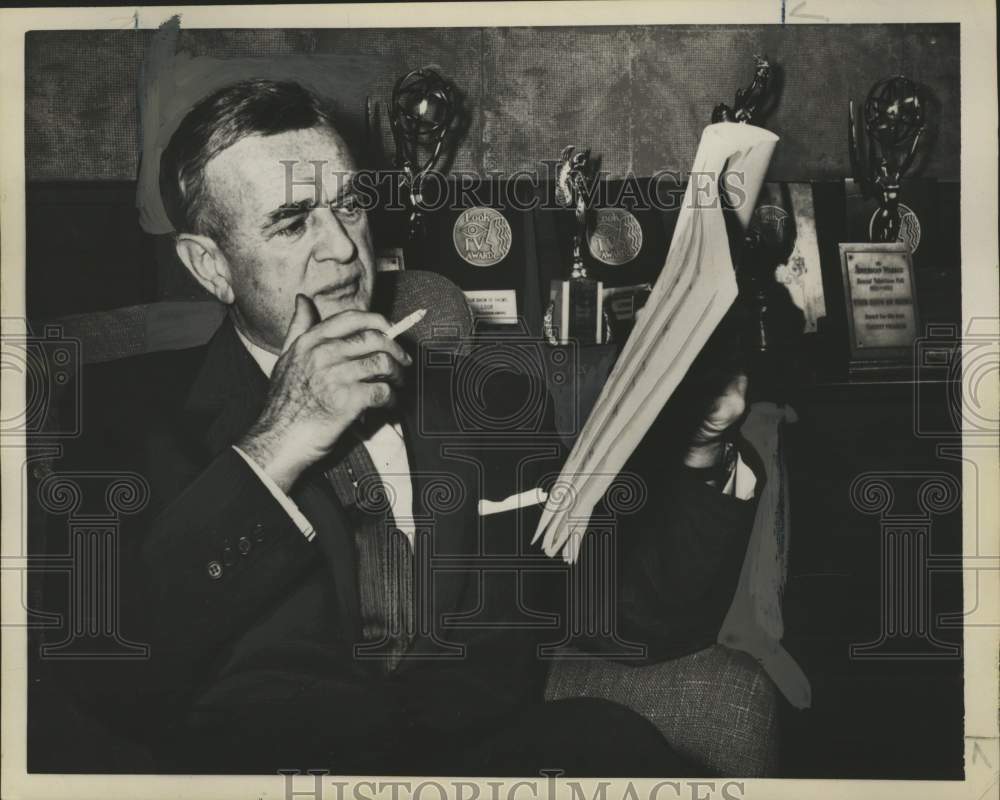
x: 274, y: 251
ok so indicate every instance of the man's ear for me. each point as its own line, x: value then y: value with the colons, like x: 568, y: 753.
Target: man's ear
x: 203, y: 258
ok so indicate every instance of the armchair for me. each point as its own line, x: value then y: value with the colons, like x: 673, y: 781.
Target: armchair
x: 717, y: 707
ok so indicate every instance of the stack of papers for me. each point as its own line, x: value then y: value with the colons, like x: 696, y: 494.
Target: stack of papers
x: 693, y: 293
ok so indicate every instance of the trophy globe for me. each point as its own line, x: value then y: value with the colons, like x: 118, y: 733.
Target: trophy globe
x: 894, y: 120
x: 422, y: 110
x: 894, y: 112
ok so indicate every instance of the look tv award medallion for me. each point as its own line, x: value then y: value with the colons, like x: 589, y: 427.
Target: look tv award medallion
x: 616, y: 238
x: 482, y: 236
x: 576, y: 307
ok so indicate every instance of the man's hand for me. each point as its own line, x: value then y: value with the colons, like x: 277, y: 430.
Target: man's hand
x: 708, y: 442
x: 328, y: 374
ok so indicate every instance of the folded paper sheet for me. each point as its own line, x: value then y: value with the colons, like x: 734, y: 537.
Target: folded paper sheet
x: 695, y: 289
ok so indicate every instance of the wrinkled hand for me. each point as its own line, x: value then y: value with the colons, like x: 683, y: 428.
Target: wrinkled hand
x: 708, y: 441
x: 328, y: 374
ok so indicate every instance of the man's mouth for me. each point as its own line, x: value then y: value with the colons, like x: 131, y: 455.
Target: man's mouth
x: 341, y: 290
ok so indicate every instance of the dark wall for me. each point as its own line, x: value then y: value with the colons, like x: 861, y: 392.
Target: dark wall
x: 638, y: 96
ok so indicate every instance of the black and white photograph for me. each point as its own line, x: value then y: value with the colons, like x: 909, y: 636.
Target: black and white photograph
x: 498, y: 400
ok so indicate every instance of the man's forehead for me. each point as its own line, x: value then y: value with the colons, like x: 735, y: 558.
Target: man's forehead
x: 266, y: 171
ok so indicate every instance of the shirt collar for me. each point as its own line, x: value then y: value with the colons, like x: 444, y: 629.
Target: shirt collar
x: 265, y: 358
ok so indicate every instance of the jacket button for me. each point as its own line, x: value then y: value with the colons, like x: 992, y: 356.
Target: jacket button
x: 244, y: 545
x: 258, y: 531
x: 228, y: 556
x: 214, y: 570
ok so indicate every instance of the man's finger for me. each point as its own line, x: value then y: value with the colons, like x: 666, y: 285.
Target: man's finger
x: 304, y: 318
x: 727, y: 410
x: 347, y: 322
x: 733, y: 396
x: 376, y: 394
x: 378, y: 367
x: 379, y: 395
x: 363, y: 343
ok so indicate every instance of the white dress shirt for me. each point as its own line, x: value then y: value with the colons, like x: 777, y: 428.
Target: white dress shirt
x: 742, y: 482
x: 386, y: 447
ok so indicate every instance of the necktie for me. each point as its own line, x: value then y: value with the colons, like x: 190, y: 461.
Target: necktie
x: 383, y: 558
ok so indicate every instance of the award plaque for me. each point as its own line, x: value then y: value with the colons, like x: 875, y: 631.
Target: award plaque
x: 485, y: 246
x: 882, y: 316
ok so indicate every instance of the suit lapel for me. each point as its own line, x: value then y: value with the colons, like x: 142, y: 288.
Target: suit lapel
x: 228, y: 392
x: 453, y: 531
x: 317, y: 500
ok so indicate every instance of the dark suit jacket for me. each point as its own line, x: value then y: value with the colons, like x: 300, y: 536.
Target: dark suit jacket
x: 254, y: 668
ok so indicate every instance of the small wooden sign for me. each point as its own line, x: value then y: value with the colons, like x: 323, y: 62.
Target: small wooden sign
x: 882, y: 315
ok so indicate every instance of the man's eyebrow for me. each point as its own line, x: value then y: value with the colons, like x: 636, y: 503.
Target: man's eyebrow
x: 290, y: 210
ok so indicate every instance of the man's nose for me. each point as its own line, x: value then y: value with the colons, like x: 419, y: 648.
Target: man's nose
x: 333, y: 241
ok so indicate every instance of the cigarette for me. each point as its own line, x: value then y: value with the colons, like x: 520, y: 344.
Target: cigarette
x: 405, y: 323
x: 532, y: 497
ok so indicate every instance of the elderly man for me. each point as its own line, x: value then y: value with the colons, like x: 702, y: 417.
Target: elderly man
x: 291, y: 622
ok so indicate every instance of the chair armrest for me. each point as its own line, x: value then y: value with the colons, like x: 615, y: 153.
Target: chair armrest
x: 716, y: 707
x: 134, y: 330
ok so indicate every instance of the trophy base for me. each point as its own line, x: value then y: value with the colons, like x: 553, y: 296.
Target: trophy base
x: 576, y: 313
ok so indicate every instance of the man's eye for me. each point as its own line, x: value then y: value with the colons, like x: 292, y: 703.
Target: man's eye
x: 348, y: 207
x: 292, y: 228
